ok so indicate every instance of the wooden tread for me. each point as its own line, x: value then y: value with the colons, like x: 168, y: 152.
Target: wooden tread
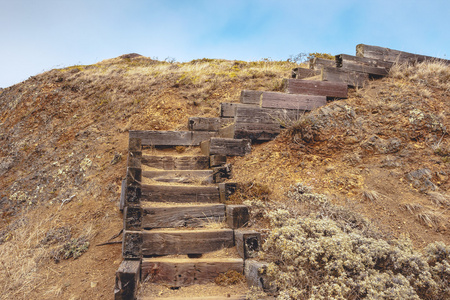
x: 226, y: 146
x: 164, y: 162
x: 182, y: 215
x: 170, y: 138
x: 184, y: 272
x: 292, y: 101
x: 180, y: 193
x: 180, y: 176
x: 315, y: 87
x: 198, y: 241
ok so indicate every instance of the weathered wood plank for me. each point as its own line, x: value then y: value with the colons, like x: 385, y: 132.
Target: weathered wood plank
x: 132, y: 218
x: 351, y: 78
x: 362, y: 64
x: 226, y: 146
x: 180, y: 176
x: 394, y: 56
x: 227, y: 189
x: 292, y: 101
x: 266, y: 115
x: 250, y: 97
x: 217, y: 160
x: 199, y: 162
x: 252, y: 131
x: 170, y: 138
x: 247, y: 242
x: 315, y: 87
x: 301, y: 73
x: 184, y: 272
x: 228, y: 110
x: 132, y: 244
x: 182, y: 216
x: 199, y: 241
x: 179, y: 193
x: 319, y: 63
x: 204, y: 124
x: 127, y: 279
x: 122, y: 194
x: 237, y: 216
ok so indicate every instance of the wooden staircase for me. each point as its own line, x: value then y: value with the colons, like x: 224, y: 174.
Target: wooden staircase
x: 173, y: 204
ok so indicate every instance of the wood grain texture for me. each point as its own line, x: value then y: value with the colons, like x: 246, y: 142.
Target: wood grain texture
x: 315, y: 87
x: 182, y: 216
x: 180, y: 176
x: 228, y: 110
x: 301, y: 73
x: 292, y: 101
x: 184, y: 272
x: 199, y: 162
x: 127, y: 279
x: 170, y: 138
x: 168, y: 242
x: 265, y: 115
x: 319, y: 63
x: 351, y: 78
x: 362, y: 64
x: 247, y: 242
x: 180, y: 193
x: 394, y: 56
x: 237, y: 216
x: 226, y: 146
x: 250, y: 97
x: 251, y: 131
x: 204, y: 124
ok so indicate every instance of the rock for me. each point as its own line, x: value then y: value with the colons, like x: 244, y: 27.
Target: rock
x: 421, y: 180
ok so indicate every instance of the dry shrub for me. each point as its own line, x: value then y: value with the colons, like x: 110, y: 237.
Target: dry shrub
x: 439, y: 199
x: 325, y: 256
x: 230, y: 277
x: 428, y: 74
x: 372, y: 196
x: 250, y: 190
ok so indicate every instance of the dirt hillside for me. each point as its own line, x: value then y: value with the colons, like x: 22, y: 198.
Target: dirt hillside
x: 384, y: 153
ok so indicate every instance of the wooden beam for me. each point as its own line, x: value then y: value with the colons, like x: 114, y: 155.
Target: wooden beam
x: 198, y: 241
x: 180, y: 193
x: 247, y: 242
x: 301, y: 73
x: 361, y: 64
x: 199, y: 162
x: 204, y: 124
x: 184, y: 272
x: 217, y: 160
x: 394, y: 56
x: 132, y: 218
x: 250, y: 97
x: 127, y: 280
x: 228, y: 110
x: 226, y: 146
x: 132, y: 244
x: 251, y: 131
x: 180, y: 176
x: 237, y: 216
x: 315, y: 87
x: 351, y: 78
x: 265, y: 115
x: 170, y: 138
x: 182, y: 215
x: 319, y: 63
x: 292, y: 101
x: 226, y: 189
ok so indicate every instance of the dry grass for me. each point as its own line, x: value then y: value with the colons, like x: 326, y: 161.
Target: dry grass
x: 427, y: 74
x: 372, y: 196
x: 430, y: 219
x: 439, y: 199
x: 412, y: 208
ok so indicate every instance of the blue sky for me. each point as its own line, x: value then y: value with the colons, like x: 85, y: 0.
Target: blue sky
x: 39, y: 35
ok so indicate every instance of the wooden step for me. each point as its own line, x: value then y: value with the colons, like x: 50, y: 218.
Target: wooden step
x: 184, y: 272
x: 351, y: 78
x: 292, y: 101
x: 199, y: 162
x: 315, y: 87
x: 250, y: 97
x: 180, y: 176
x: 245, y: 114
x: 228, y: 110
x: 180, y: 193
x: 320, y: 63
x: 226, y: 146
x: 394, y: 56
x: 254, y: 131
x: 302, y: 73
x: 207, y: 124
x: 171, y: 138
x: 198, y: 241
x: 370, y: 66
x: 182, y: 215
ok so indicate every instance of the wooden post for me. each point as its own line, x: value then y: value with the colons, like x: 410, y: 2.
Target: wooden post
x: 247, y: 242
x: 127, y: 279
x: 132, y: 218
x: 222, y: 173
x: 250, y: 97
x: 217, y: 160
x: 132, y: 245
x: 227, y: 189
x: 237, y: 216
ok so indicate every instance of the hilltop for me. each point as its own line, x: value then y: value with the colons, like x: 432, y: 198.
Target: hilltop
x: 382, y: 153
